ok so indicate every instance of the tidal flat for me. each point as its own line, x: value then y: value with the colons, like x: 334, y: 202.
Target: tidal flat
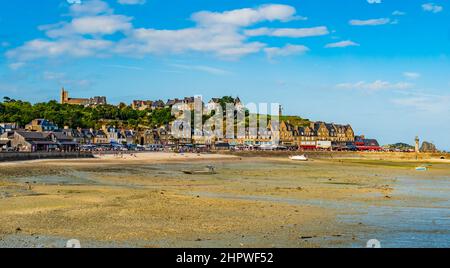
x: 249, y: 202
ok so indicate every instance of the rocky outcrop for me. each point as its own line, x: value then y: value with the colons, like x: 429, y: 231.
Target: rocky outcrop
x: 428, y: 147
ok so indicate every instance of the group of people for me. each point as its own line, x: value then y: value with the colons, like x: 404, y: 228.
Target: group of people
x: 122, y: 155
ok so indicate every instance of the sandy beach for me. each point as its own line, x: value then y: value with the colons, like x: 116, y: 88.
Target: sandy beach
x: 147, y: 201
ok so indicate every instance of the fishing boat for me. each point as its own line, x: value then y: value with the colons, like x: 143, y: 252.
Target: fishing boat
x: 299, y: 158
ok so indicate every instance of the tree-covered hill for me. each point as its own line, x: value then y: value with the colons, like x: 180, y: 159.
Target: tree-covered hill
x: 16, y: 111
x: 399, y: 146
x: 73, y: 116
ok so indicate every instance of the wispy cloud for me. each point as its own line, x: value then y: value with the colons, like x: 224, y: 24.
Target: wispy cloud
x: 375, y: 86
x: 201, y: 68
x: 53, y: 75
x: 370, y: 22
x: 432, y: 7
x: 412, y: 75
x: 16, y: 65
x: 341, y: 44
x: 126, y: 67
x: 289, y: 32
x: 287, y: 50
x: 64, y: 80
x: 435, y: 104
x: 131, y: 2
x: 398, y: 13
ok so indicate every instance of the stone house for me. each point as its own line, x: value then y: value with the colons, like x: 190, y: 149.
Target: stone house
x: 27, y: 141
x: 41, y: 125
x: 158, y: 105
x: 65, y: 143
x: 75, y: 134
x: 287, y: 133
x: 142, y: 105
x: 100, y: 137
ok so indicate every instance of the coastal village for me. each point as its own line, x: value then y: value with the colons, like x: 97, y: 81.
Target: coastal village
x: 43, y: 135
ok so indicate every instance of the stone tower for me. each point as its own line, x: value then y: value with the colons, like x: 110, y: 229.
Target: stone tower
x: 64, y: 96
x: 417, y: 144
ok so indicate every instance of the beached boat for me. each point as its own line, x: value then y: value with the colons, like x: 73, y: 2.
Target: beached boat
x: 210, y: 170
x: 299, y: 158
x: 421, y: 169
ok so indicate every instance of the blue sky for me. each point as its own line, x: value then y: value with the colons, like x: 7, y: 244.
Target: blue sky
x: 381, y: 65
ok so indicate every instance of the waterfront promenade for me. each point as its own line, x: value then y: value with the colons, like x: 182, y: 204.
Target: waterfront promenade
x: 24, y: 156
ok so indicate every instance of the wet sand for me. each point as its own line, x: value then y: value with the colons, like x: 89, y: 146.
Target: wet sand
x: 148, y: 201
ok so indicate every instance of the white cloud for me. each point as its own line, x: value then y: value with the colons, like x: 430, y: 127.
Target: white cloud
x: 216, y: 33
x: 371, y: 22
x: 225, y: 43
x: 45, y: 48
x: 287, y: 50
x: 246, y: 16
x: 93, y: 25
x: 90, y: 8
x: 375, y: 86
x: 222, y: 34
x: 288, y: 32
x: 432, y: 7
x: 411, y: 75
x: 131, y: 2
x: 346, y: 43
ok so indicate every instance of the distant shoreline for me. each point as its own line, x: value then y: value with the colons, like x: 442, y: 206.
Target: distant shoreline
x: 347, y: 155
x: 111, y: 157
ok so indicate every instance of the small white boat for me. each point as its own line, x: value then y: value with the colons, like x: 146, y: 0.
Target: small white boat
x: 299, y: 158
x: 421, y: 169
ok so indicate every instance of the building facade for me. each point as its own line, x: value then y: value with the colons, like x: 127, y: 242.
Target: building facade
x: 41, y: 125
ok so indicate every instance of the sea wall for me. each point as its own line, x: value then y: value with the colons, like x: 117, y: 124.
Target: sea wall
x: 23, y: 156
x: 344, y: 155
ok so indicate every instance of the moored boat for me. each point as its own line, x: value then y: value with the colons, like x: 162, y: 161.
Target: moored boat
x: 421, y: 168
x: 210, y: 170
x: 299, y: 158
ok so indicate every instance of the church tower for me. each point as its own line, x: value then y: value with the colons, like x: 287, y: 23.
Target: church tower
x: 64, y: 96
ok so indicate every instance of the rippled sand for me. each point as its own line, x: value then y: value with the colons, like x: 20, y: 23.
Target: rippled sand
x: 147, y: 201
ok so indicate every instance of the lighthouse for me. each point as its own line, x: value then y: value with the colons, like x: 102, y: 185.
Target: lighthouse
x: 417, y: 144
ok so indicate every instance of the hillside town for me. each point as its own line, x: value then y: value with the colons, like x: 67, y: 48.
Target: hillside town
x: 42, y: 134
